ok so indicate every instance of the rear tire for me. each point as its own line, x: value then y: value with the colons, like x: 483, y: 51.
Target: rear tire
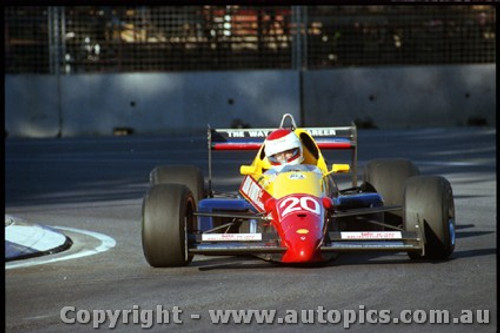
x: 387, y: 177
x: 430, y: 200
x: 188, y: 175
x: 167, y: 221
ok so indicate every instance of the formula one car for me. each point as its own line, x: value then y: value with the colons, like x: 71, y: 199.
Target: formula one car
x: 299, y: 214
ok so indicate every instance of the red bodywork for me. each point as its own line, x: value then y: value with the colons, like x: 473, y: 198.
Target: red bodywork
x: 300, y: 222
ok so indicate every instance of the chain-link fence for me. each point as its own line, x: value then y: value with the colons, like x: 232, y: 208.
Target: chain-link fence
x: 88, y: 39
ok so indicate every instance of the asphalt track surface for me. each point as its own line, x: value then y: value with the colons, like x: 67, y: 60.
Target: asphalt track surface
x: 92, y: 188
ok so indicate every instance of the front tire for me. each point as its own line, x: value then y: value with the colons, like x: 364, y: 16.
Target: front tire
x: 429, y: 200
x: 167, y: 221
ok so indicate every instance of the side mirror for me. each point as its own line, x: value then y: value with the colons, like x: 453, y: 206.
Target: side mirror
x: 336, y: 168
x: 246, y: 170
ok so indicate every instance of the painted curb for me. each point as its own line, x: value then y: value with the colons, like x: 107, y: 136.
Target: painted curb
x: 27, y: 240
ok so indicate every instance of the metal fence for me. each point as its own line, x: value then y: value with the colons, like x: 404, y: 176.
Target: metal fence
x: 89, y: 39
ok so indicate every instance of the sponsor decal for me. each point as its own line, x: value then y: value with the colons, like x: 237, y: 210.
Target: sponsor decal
x: 257, y: 133
x: 254, y: 193
x: 371, y: 235
x: 302, y: 231
x: 210, y: 237
x: 296, y: 176
x: 322, y: 131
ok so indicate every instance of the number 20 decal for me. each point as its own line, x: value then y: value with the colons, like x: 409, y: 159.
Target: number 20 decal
x: 292, y: 204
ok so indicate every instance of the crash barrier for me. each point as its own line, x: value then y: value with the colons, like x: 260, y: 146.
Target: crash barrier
x: 156, y: 103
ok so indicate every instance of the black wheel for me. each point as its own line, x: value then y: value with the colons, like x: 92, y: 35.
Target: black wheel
x: 188, y: 175
x: 429, y: 199
x: 387, y: 177
x: 167, y: 220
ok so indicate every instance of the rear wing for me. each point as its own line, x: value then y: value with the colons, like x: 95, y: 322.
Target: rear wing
x: 334, y: 138
x: 252, y: 138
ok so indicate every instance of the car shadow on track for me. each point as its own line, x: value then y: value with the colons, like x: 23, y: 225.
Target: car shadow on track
x: 342, y: 260
x: 378, y: 258
x: 474, y: 253
x: 256, y: 263
x: 247, y: 262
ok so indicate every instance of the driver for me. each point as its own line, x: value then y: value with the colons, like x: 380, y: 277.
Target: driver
x: 283, y: 147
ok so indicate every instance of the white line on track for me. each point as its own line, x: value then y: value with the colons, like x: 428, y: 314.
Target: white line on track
x: 106, y: 244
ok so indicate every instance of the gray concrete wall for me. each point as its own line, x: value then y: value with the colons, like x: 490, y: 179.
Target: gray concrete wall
x: 31, y: 105
x: 95, y: 104
x: 158, y: 103
x: 395, y: 97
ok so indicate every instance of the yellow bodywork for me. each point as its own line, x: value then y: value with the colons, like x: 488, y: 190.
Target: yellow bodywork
x: 281, y: 184
x: 292, y: 182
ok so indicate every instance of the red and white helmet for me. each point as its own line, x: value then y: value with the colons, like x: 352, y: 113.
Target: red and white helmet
x: 281, y: 141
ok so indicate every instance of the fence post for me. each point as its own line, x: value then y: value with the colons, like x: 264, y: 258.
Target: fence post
x: 299, y: 51
x: 56, y: 41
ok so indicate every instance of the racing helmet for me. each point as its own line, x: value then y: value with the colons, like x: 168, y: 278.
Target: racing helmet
x: 283, y: 147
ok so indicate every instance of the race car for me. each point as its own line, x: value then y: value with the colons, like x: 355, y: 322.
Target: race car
x: 298, y: 215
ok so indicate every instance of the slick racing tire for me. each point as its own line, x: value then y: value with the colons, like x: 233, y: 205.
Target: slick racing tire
x: 188, y: 175
x: 387, y: 177
x: 429, y: 200
x: 167, y: 222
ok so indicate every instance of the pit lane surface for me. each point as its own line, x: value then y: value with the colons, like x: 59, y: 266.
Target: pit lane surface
x: 97, y: 184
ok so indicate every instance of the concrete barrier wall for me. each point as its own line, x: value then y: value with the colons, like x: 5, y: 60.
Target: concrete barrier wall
x: 158, y: 103
x: 32, y: 107
x: 398, y: 97
x: 95, y: 104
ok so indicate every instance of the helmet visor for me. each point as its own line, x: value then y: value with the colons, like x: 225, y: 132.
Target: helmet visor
x: 284, y: 157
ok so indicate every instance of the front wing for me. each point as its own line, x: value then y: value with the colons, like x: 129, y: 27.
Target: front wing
x: 211, y: 242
